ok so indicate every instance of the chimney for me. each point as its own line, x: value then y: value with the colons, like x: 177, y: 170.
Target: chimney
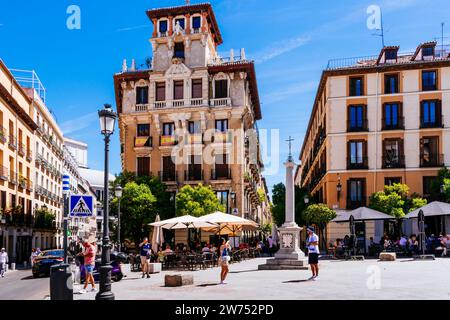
x: 133, y: 65
x: 243, y: 54
x: 124, y: 65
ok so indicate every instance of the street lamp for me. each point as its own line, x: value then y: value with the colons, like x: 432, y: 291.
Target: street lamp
x: 118, y: 192
x: 339, y: 188
x: 107, y: 122
x: 306, y: 199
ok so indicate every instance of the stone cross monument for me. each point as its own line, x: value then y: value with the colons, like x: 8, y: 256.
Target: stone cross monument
x: 289, y: 256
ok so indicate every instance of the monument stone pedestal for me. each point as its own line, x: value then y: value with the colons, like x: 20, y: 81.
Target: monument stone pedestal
x: 290, y: 256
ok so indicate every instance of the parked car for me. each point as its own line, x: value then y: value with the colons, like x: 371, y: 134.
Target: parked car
x: 45, y: 260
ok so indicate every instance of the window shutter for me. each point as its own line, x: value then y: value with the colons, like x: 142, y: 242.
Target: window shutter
x: 439, y: 112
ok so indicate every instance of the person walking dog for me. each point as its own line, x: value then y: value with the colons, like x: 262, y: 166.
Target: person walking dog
x: 313, y: 253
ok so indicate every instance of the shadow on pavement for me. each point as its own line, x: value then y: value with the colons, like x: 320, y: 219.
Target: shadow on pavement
x: 208, y: 285
x: 295, y: 281
x: 30, y: 278
x: 243, y: 271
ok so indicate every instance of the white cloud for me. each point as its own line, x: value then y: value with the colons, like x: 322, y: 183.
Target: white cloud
x: 132, y: 28
x: 78, y: 124
x: 295, y: 89
x: 280, y: 47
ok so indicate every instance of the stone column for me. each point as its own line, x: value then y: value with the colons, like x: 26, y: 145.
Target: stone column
x: 155, y: 28
x: 290, y: 205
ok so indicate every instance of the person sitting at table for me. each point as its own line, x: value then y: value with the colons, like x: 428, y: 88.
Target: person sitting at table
x: 387, y: 243
x: 206, y: 248
x: 413, y: 244
x: 443, y: 240
x: 168, y: 250
x: 161, y: 255
x: 339, y: 251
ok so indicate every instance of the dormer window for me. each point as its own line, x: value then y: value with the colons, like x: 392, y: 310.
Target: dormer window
x: 428, y: 53
x: 391, y: 55
x: 179, y: 50
x: 181, y: 22
x: 163, y: 27
x: 196, y: 24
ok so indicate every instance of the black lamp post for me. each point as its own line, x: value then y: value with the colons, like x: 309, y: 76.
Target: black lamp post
x: 107, y: 122
x: 118, y: 192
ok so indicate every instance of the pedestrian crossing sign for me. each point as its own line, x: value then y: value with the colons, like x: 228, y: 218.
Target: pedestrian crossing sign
x: 81, y: 206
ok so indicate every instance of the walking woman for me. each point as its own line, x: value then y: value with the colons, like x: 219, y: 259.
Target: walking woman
x: 224, y: 260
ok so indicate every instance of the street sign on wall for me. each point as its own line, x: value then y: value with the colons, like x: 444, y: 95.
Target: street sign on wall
x: 81, y: 206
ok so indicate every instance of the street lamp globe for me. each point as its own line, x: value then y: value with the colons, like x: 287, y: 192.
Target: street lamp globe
x: 118, y: 192
x: 107, y: 120
x: 306, y: 199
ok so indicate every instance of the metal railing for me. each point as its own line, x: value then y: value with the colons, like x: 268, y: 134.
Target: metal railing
x: 168, y: 176
x: 3, y: 134
x: 193, y: 175
x: 221, y: 173
x: 22, y: 149
x: 393, y: 162
x: 437, y: 123
x: 357, y: 163
x: 393, y: 125
x: 12, y: 142
x: 13, y: 177
x: 357, y: 126
x: 4, y: 173
x: 428, y: 160
x: 29, y: 79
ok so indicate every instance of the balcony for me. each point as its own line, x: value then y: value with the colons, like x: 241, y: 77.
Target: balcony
x: 22, y: 149
x: 393, y: 162
x: 160, y: 105
x: 165, y: 141
x: 178, y: 103
x: 358, y: 163
x: 168, y: 176
x: 391, y: 124
x: 222, y: 137
x: 356, y: 203
x: 12, y: 142
x: 22, y: 182
x: 143, y: 142
x: 223, y: 173
x: 141, y: 108
x: 428, y: 160
x: 196, y: 101
x: 437, y: 123
x: 29, y: 186
x: 13, y: 177
x: 194, y: 138
x: 196, y: 30
x: 357, y: 126
x: 29, y: 155
x: 193, y: 175
x: 221, y: 102
x: 3, y: 134
x: 4, y: 173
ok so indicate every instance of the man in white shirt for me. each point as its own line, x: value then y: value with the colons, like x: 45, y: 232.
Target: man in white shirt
x: 3, y: 262
x: 312, y: 242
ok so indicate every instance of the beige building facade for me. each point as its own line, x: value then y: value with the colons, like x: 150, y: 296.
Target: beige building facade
x: 378, y: 121
x: 191, y: 117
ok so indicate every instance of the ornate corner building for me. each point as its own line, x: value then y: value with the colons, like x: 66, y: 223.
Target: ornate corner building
x: 190, y: 116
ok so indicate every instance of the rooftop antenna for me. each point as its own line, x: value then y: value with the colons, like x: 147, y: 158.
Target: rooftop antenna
x: 442, y: 37
x: 381, y: 30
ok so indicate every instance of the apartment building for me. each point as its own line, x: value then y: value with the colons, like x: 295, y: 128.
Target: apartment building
x: 190, y: 116
x: 377, y: 121
x: 16, y: 166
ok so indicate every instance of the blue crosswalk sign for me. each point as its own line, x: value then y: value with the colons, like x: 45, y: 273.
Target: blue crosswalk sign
x: 81, y: 206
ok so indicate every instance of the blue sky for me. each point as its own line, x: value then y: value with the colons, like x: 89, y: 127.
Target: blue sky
x: 291, y: 42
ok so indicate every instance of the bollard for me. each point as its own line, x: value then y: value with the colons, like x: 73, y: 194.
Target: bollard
x: 25, y: 264
x: 13, y: 266
x: 61, y: 283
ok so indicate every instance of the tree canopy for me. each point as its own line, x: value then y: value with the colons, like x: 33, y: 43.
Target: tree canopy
x: 396, y: 201
x: 319, y: 214
x: 278, y: 207
x: 197, y: 201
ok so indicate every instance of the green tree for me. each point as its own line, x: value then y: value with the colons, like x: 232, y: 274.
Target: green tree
x: 197, y: 201
x: 319, y: 215
x: 440, y: 187
x: 278, y: 206
x: 395, y: 200
x: 137, y: 210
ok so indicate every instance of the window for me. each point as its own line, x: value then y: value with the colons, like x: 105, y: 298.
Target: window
x: 143, y: 166
x: 160, y: 91
x: 223, y: 199
x: 428, y: 185
x: 356, y: 86
x: 357, y: 154
x: 391, y: 55
x: 143, y: 130
x: 168, y: 129
x: 427, y: 52
x: 196, y: 22
x: 356, y: 116
x: 178, y: 89
x: 163, y: 26
x: 221, y: 167
x: 197, y: 88
x: 393, y: 153
x: 429, y: 80
x: 429, y: 152
x: 221, y: 89
x: 391, y: 113
x: 391, y: 83
x: 222, y: 125
x: 181, y: 22
x: 141, y: 95
x: 194, y: 127
x: 430, y: 114
x: 356, y: 193
x: 179, y: 50
x: 168, y: 173
x: 391, y: 181
x: 194, y: 168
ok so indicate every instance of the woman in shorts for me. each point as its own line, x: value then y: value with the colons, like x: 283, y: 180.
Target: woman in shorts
x: 224, y: 260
